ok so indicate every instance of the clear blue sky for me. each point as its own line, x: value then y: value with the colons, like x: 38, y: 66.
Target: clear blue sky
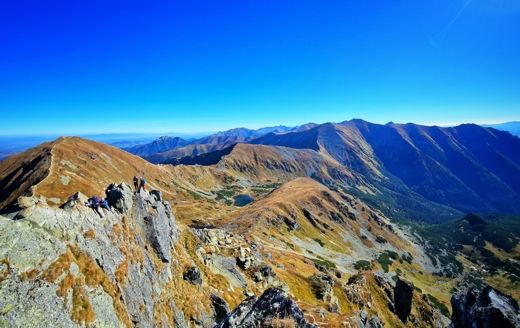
x: 189, y: 66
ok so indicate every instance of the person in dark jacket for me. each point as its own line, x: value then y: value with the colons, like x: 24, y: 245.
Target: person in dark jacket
x: 136, y: 183
x: 94, y: 202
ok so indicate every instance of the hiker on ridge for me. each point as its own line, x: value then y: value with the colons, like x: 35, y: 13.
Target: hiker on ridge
x: 94, y: 202
x: 143, y: 183
x: 104, y: 204
x: 136, y: 183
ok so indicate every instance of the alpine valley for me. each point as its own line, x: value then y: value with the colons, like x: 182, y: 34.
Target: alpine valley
x: 349, y: 224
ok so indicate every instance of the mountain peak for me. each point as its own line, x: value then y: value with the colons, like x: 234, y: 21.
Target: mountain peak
x: 60, y: 168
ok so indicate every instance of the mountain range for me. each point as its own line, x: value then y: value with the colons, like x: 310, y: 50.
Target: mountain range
x: 324, y: 225
x: 466, y: 168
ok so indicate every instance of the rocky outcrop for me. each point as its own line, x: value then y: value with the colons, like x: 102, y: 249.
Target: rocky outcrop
x: 484, y: 309
x: 246, y: 258
x: 220, y: 308
x: 365, y: 322
x: 272, y: 308
x: 356, y: 291
x: 120, y: 197
x: 322, y: 286
x: 192, y: 275
x: 67, y: 267
x: 403, y: 293
x: 154, y: 215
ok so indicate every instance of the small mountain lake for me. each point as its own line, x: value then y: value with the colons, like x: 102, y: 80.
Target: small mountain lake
x: 243, y: 200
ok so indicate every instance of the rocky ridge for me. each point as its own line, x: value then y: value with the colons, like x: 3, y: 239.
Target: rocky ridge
x: 70, y: 267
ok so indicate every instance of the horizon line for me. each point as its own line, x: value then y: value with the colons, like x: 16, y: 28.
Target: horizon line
x: 249, y: 127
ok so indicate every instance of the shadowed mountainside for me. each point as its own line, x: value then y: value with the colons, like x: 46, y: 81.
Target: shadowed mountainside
x: 218, y: 141
x: 467, y: 167
x: 157, y: 146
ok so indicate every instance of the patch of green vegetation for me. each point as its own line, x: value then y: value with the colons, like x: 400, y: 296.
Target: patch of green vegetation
x: 502, y: 231
x: 387, y: 258
x: 407, y: 257
x: 381, y: 239
x: 290, y: 245
x: 224, y: 194
x: 259, y: 190
x: 194, y: 195
x: 438, y: 304
x: 319, y: 241
x: 272, y: 185
x: 363, y: 265
x: 229, y: 179
x: 417, y: 289
x: 325, y: 263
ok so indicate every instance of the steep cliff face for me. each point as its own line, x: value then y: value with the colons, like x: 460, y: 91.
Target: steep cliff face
x: 70, y: 266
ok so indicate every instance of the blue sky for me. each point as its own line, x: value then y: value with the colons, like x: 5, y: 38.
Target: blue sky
x: 80, y: 67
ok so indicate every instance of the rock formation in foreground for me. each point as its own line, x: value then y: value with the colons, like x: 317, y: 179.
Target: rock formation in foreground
x: 123, y: 267
x: 69, y: 267
x: 484, y: 309
x: 272, y: 309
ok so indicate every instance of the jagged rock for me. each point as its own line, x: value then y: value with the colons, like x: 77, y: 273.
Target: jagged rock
x: 363, y: 316
x: 374, y: 322
x: 265, y: 272
x: 78, y: 199
x: 356, y: 291
x: 322, y: 285
x: 159, y: 223
x: 245, y: 259
x: 364, y: 322
x: 484, y: 309
x: 192, y: 274
x: 31, y: 201
x: 120, y: 197
x: 217, y: 237
x: 271, y: 306
x: 157, y: 194
x: 113, y: 271
x: 220, y: 308
x: 382, y: 282
x: 403, y: 293
x: 291, y: 224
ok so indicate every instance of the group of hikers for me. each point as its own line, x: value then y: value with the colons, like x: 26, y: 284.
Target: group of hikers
x: 96, y: 202
x: 139, y: 184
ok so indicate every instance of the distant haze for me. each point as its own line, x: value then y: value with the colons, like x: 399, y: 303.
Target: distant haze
x: 12, y: 144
